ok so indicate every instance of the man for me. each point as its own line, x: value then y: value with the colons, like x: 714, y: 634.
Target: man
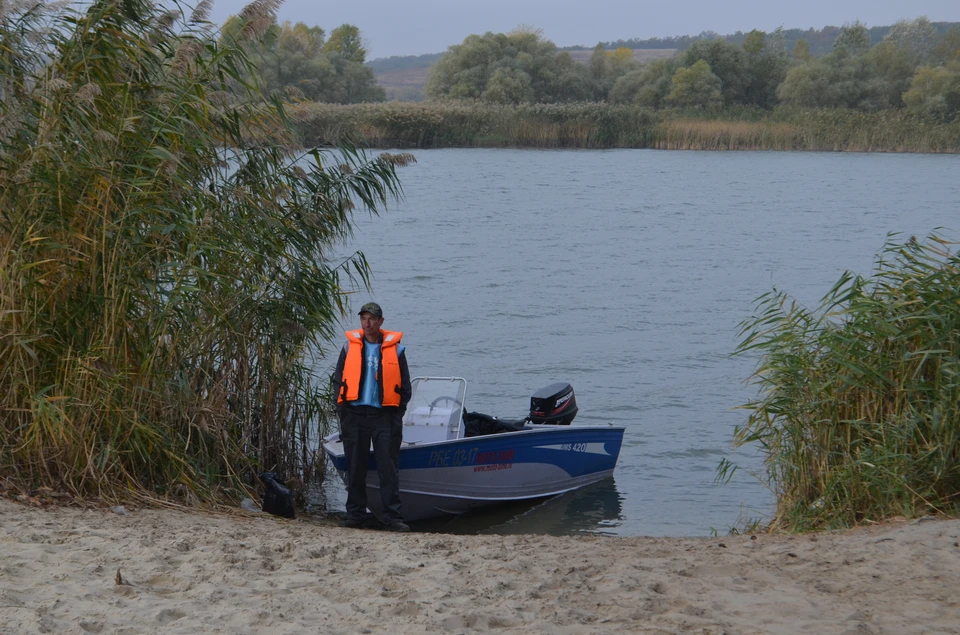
x: 373, y: 388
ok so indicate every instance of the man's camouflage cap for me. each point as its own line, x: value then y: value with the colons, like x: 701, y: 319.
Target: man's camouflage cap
x: 372, y: 308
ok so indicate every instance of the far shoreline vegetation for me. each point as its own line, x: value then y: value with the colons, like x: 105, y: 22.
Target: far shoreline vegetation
x: 852, y: 88
x: 465, y: 124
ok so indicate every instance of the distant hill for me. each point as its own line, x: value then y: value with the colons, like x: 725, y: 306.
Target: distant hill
x: 403, y: 77
x: 403, y: 62
x: 820, y: 40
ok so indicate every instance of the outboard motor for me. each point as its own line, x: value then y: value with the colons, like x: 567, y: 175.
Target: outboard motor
x: 555, y: 404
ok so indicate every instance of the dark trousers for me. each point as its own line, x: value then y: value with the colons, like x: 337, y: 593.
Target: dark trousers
x: 358, y: 427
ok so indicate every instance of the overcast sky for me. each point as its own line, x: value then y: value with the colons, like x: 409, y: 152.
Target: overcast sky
x: 415, y: 27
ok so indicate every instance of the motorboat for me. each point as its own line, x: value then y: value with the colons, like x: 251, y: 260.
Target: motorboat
x: 453, y: 461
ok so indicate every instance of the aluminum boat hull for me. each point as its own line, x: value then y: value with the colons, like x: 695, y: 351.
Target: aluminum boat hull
x: 451, y: 477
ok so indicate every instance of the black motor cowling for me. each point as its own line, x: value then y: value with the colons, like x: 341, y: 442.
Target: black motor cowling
x: 555, y: 404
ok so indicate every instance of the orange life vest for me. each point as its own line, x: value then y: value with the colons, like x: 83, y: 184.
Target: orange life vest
x: 389, y: 380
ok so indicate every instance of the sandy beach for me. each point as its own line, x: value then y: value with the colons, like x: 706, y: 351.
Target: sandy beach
x: 71, y: 570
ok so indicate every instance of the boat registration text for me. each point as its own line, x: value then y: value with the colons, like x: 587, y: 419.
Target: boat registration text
x: 485, y: 461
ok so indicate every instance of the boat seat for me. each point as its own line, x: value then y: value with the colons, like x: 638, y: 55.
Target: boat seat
x: 429, y: 425
x: 477, y: 424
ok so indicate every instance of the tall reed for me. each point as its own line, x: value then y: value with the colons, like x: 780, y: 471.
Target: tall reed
x: 163, y: 256
x: 693, y: 134
x: 858, y: 415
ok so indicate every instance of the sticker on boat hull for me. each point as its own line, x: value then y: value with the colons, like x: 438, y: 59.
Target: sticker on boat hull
x: 588, y: 448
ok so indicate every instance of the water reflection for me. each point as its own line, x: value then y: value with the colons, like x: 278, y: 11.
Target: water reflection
x: 596, y: 509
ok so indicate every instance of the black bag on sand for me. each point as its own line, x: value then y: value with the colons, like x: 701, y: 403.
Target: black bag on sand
x: 277, y: 497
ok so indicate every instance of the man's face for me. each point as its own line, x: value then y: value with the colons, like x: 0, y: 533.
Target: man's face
x: 371, y: 326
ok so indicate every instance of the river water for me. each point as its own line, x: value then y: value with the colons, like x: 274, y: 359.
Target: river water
x: 626, y: 273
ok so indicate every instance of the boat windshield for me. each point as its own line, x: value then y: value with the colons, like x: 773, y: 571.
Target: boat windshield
x: 437, y: 401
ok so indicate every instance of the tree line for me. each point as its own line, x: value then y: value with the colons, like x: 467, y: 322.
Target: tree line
x: 914, y: 65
